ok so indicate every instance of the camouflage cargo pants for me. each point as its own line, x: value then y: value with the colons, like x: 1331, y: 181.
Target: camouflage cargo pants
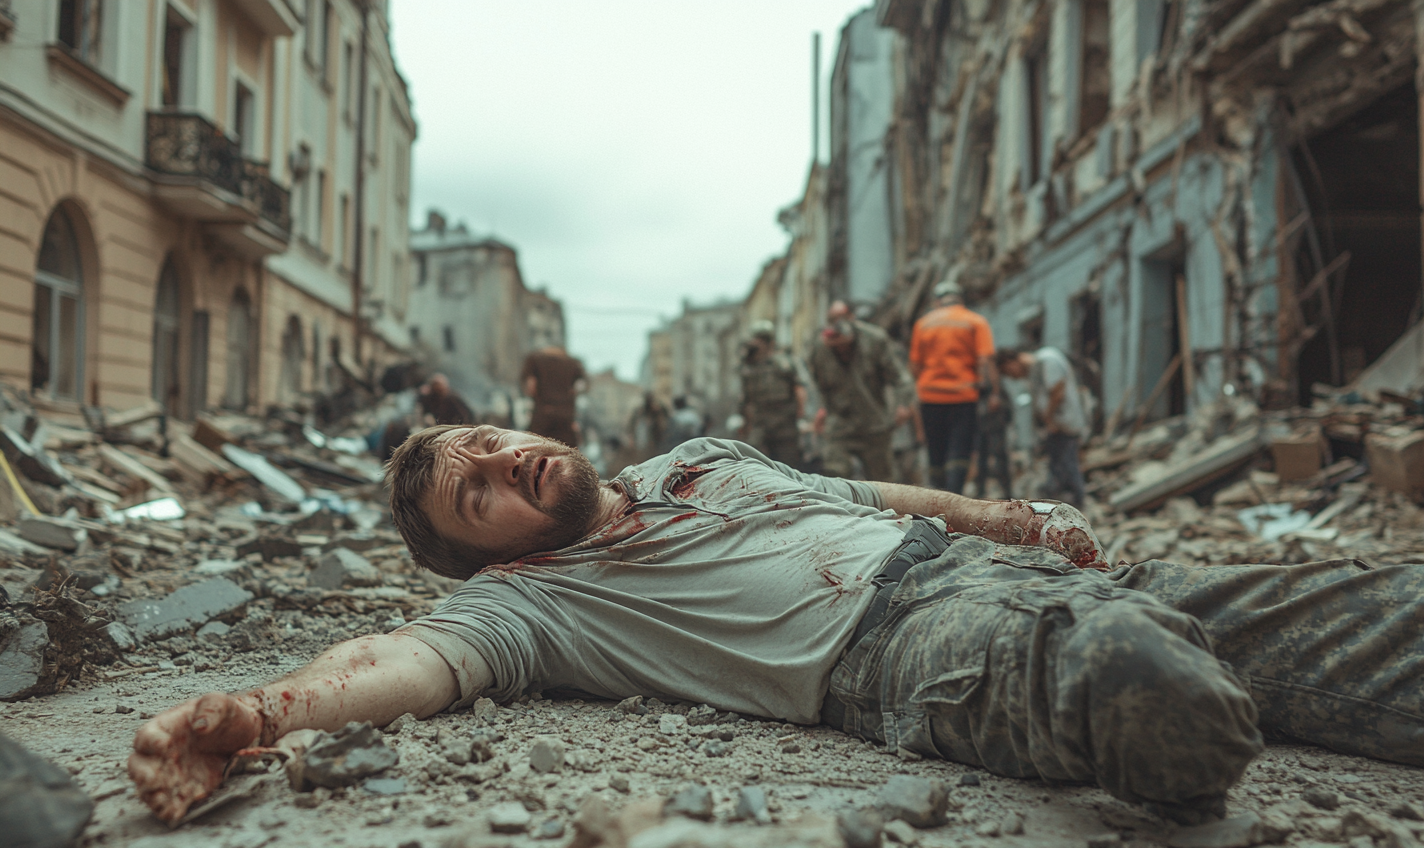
x: 1011, y: 659
x: 873, y: 450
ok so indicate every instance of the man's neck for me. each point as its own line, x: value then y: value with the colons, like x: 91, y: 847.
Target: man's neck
x: 611, y: 503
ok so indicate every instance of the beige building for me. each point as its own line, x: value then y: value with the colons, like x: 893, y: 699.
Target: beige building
x: 179, y: 198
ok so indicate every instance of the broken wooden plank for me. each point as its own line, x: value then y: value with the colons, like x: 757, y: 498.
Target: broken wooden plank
x: 1217, y: 460
x: 133, y: 415
x: 94, y: 478
x: 199, y: 462
x: 132, y: 467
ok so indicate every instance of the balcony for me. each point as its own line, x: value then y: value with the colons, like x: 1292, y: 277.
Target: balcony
x: 200, y: 173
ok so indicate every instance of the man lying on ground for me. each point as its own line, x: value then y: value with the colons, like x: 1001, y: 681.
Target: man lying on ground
x: 991, y: 635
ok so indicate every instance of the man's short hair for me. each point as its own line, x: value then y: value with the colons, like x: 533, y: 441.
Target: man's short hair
x: 1007, y: 354
x: 410, y: 475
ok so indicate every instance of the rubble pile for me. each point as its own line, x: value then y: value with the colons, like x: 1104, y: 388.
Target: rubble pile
x: 132, y: 544
x: 1233, y: 484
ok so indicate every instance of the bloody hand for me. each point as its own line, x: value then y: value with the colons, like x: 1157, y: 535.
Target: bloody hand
x: 180, y: 754
x: 1064, y: 530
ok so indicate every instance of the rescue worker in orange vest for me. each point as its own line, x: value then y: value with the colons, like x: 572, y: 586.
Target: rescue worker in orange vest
x: 951, y: 356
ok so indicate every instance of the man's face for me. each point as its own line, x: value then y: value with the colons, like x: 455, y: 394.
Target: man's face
x: 510, y: 493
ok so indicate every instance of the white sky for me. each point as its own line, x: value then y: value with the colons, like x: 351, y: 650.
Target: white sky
x: 635, y: 153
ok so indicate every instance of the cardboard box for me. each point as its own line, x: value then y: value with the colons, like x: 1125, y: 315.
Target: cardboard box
x: 1300, y: 455
x: 1397, y: 461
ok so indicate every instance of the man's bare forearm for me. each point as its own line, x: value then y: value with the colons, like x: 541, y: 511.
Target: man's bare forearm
x: 1057, y: 526
x: 373, y: 678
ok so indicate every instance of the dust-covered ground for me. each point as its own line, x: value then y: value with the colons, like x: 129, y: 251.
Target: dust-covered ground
x: 624, y: 757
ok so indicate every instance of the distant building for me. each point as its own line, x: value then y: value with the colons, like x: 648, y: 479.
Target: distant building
x: 470, y: 314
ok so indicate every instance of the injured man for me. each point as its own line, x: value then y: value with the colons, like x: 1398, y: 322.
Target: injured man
x: 991, y: 633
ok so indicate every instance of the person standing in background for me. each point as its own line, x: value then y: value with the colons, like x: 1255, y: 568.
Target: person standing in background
x: 773, y: 396
x: 951, y: 355
x: 1058, y: 410
x: 553, y: 379
x: 857, y: 372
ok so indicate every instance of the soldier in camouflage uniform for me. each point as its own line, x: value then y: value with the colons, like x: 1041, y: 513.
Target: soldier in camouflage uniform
x: 773, y: 396
x: 854, y: 367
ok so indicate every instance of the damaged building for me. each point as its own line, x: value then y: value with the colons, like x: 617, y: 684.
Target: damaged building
x: 202, y: 202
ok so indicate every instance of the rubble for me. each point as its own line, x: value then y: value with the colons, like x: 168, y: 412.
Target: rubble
x: 186, y: 609
x: 345, y: 757
x: 920, y: 801
x: 40, y: 806
x: 342, y: 567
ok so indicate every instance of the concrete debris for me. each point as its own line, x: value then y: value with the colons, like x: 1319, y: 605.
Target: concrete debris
x: 186, y: 609
x: 23, y: 641
x: 509, y: 817
x: 345, y: 757
x: 861, y: 828
x: 751, y: 805
x: 632, y: 706
x: 693, y: 800
x: 901, y: 832
x: 1241, y: 831
x: 52, y: 533
x: 918, y: 800
x: 40, y: 806
x: 1322, y: 799
x: 546, y: 756
x: 341, y: 568
x: 672, y: 724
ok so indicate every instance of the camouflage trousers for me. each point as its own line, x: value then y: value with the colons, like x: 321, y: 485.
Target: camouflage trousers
x: 873, y: 450
x: 1153, y: 681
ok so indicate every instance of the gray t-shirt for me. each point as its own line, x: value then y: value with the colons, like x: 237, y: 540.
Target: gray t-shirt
x: 732, y: 580
x: 1049, y: 369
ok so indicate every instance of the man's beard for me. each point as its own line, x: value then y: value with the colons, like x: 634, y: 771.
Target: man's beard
x: 572, y: 510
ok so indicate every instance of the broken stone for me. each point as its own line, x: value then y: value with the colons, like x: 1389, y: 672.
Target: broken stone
x: 1240, y: 831
x: 920, y: 801
x: 52, y: 533
x: 120, y: 636
x: 484, y: 710
x: 36, y: 464
x: 900, y: 832
x: 549, y: 829
x: 187, y: 608
x: 716, y: 748
x: 509, y: 817
x: 454, y: 747
x: 341, y: 568
x: 1321, y: 798
x: 345, y: 757
x: 547, y: 755
x: 1012, y: 825
x: 618, y: 783
x: 22, y: 647
x: 861, y: 828
x: 970, y: 779
x: 671, y: 724
x: 633, y: 706
x: 987, y: 828
x: 700, y: 715
x: 401, y: 722
x: 693, y: 800
x: 385, y: 786
x: 751, y: 805
x: 40, y: 806
x: 213, y: 631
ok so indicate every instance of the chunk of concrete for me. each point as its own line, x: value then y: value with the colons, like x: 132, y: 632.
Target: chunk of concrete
x: 40, y: 806
x: 340, y: 568
x: 546, y: 755
x: 694, y: 801
x: 186, y: 609
x: 347, y: 756
x: 509, y: 817
x: 22, y: 645
x: 52, y: 532
x: 918, y: 800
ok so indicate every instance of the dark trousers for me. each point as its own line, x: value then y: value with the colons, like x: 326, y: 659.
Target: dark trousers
x: 992, y: 447
x: 949, y: 439
x: 1065, y: 476
x: 1154, y: 681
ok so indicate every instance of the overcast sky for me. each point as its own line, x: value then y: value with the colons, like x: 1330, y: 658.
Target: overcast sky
x: 635, y: 153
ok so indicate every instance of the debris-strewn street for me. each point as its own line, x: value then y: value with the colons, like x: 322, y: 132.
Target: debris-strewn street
x: 109, y: 621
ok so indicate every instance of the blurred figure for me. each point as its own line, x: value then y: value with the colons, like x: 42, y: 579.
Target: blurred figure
x: 442, y: 404
x: 773, y: 397
x: 856, y: 371
x: 553, y: 379
x: 686, y: 423
x: 951, y: 355
x: 1058, y: 411
x: 992, y: 447
x: 649, y: 427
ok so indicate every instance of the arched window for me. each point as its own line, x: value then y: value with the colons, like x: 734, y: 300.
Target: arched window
x: 293, y: 354
x: 166, y: 328
x: 239, y: 350
x: 58, y: 329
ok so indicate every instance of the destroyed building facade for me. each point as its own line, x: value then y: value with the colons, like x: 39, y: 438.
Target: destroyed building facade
x: 204, y: 200
x: 1189, y: 197
x: 472, y: 317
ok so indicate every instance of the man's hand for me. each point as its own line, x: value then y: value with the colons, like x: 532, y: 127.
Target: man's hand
x: 180, y: 754
x: 1061, y: 528
x: 818, y: 424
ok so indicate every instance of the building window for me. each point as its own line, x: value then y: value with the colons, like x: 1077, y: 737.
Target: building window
x: 290, y: 379
x: 316, y: 353
x: 167, y: 308
x: 318, y: 236
x: 243, y: 117
x: 420, y: 269
x: 58, y: 326
x: 239, y: 350
x: 414, y: 334
x: 449, y: 333
x: 1035, y: 69
x: 176, y: 30
x: 343, y: 248
x: 80, y: 28
x: 1094, y: 73
x: 373, y: 123
x: 324, y: 45
x: 348, y: 80
x: 373, y: 258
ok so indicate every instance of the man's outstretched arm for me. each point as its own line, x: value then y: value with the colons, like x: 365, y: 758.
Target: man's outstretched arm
x: 179, y: 755
x: 1056, y: 526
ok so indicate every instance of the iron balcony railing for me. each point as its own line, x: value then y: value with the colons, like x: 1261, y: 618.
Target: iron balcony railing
x: 186, y: 145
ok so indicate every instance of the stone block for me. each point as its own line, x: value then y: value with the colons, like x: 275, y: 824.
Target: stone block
x: 22, y: 646
x: 52, y: 533
x: 186, y: 609
x: 341, y: 568
x: 39, y: 803
x: 1397, y: 461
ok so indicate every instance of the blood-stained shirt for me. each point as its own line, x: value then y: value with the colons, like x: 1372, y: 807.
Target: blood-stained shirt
x: 730, y: 580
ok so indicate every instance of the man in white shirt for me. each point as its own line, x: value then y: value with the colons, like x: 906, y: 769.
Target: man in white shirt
x: 1058, y: 409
